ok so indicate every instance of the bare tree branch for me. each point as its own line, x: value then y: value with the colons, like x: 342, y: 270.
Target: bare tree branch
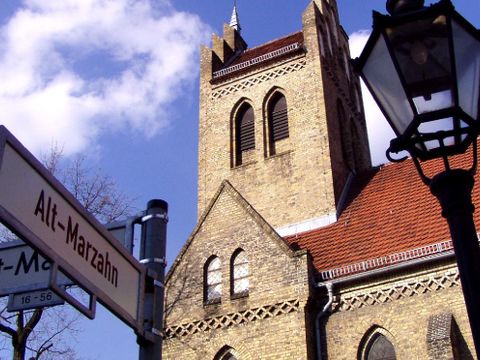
x: 6, y: 329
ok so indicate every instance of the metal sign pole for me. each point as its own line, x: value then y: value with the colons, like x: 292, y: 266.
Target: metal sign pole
x: 152, y: 255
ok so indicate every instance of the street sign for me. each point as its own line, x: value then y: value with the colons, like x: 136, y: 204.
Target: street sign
x: 24, y: 269
x: 37, y: 207
x: 33, y: 300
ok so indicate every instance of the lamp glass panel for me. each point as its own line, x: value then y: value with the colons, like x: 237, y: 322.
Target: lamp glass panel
x: 448, y: 124
x: 467, y: 57
x: 436, y: 101
x: 380, y: 74
x: 431, y: 127
x: 421, y: 49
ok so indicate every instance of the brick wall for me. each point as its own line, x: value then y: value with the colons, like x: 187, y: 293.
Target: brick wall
x: 279, y: 289
x: 408, y: 308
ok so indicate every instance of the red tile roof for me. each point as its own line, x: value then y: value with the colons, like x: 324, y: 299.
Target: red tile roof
x: 269, y: 47
x: 390, y: 210
x: 254, y: 55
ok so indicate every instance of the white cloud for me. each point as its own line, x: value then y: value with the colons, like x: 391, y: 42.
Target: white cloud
x: 71, y: 69
x: 379, y: 132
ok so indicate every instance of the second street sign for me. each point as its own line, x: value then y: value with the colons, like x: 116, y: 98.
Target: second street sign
x: 24, y: 269
x: 33, y: 300
x: 38, y: 208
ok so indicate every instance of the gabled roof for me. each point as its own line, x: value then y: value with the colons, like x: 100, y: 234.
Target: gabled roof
x: 227, y: 188
x: 390, y: 217
x: 254, y: 58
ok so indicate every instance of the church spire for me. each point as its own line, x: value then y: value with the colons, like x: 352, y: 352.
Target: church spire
x: 234, y: 22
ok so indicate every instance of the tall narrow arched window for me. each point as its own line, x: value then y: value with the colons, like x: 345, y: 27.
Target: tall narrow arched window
x: 213, y: 280
x: 244, y: 133
x: 277, y: 121
x: 321, y: 40
x: 346, y: 63
x: 329, y: 38
x: 346, y: 137
x: 239, y: 271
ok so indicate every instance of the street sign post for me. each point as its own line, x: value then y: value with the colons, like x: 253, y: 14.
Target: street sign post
x: 38, y: 208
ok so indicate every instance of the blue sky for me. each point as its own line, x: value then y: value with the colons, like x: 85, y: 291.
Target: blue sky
x: 118, y: 82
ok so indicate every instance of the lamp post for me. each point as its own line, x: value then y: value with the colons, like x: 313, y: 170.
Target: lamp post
x: 422, y: 66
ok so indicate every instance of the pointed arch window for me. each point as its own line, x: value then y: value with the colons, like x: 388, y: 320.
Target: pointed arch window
x: 380, y: 348
x: 229, y: 356
x: 377, y: 345
x: 277, y: 120
x: 240, y: 282
x: 213, y: 280
x: 226, y: 353
x: 244, y: 132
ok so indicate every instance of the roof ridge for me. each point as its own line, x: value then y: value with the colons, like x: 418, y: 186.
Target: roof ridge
x: 272, y: 41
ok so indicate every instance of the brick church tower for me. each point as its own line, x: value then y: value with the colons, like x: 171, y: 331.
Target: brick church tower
x: 283, y: 121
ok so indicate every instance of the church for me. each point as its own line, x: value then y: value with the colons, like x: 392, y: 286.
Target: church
x: 302, y: 249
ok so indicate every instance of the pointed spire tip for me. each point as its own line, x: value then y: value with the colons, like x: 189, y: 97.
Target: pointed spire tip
x: 234, y: 21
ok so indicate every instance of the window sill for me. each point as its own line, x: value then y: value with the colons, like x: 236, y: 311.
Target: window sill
x: 212, y: 302
x: 241, y: 295
x: 284, y: 153
x: 244, y: 165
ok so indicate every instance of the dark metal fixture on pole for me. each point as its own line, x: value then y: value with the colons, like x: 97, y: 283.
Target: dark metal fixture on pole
x: 152, y: 255
x: 422, y: 66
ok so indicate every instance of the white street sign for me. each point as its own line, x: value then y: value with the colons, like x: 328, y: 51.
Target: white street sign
x: 24, y: 269
x: 36, y: 206
x: 33, y: 300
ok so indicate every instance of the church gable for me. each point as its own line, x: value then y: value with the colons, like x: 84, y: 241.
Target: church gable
x: 234, y: 261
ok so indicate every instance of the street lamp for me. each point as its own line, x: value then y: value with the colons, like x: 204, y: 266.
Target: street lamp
x: 422, y: 66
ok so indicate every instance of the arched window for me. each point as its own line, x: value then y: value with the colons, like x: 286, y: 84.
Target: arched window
x: 357, y: 155
x: 346, y: 63
x: 376, y: 345
x: 229, y: 356
x: 226, y: 353
x: 321, y: 40
x: 357, y: 97
x: 277, y: 120
x: 346, y: 140
x: 213, y: 280
x: 244, y: 132
x: 334, y: 26
x: 380, y: 348
x: 329, y: 38
x: 239, y: 271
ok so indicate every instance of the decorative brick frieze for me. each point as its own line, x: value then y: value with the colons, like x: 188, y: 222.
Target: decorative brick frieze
x: 398, y: 290
x: 257, y: 79
x: 238, y: 318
